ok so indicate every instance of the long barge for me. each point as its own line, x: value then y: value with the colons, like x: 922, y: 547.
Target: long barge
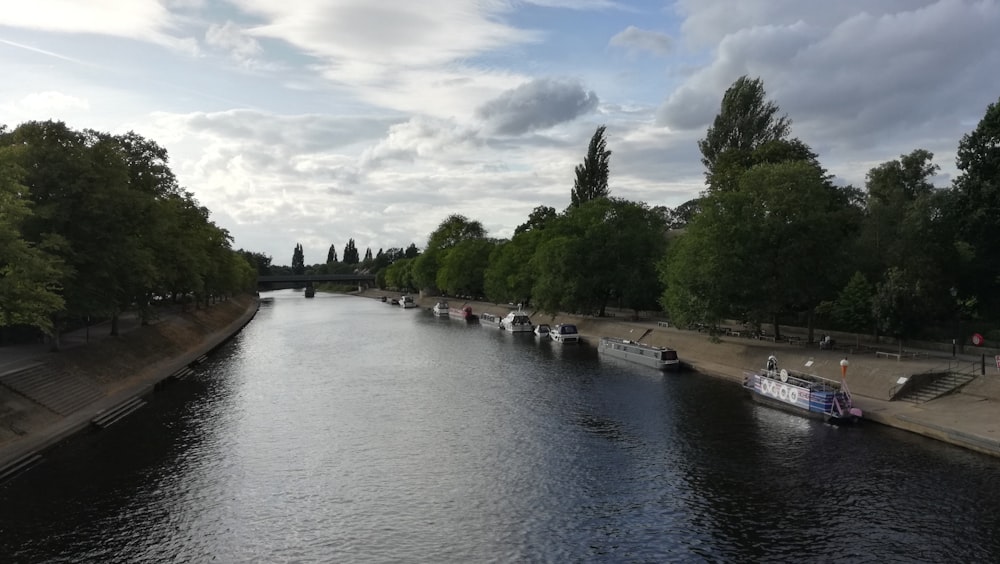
x: 661, y: 358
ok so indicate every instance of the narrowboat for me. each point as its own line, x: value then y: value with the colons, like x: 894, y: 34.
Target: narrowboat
x: 661, y: 358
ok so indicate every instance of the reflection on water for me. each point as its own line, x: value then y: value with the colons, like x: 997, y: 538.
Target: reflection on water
x: 344, y: 429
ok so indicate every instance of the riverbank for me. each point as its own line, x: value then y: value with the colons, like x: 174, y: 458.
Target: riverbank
x: 103, y: 373
x: 969, y: 418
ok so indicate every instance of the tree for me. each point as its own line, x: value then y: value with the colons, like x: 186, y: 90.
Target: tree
x: 592, y: 176
x: 30, y: 276
x: 976, y: 210
x: 298, y: 260
x: 461, y: 272
x: 351, y: 253
x: 853, y: 308
x: 759, y: 251
x: 452, y: 231
x: 745, y: 122
x: 331, y: 255
x: 600, y: 251
x: 537, y: 219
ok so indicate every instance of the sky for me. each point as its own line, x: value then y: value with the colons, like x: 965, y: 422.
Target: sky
x: 314, y: 122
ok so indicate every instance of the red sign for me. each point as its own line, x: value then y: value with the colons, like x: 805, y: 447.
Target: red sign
x: 977, y: 339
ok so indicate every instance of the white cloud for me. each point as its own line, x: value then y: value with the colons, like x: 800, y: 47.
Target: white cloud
x: 144, y: 20
x: 49, y: 103
x: 637, y: 40
x: 231, y: 38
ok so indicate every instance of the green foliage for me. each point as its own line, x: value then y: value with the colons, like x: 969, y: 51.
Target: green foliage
x: 745, y: 122
x: 897, y: 304
x: 592, y: 175
x: 30, y: 275
x: 331, y: 254
x: 107, y: 228
x: 975, y: 211
x: 599, y: 251
x: 512, y: 270
x: 463, y: 267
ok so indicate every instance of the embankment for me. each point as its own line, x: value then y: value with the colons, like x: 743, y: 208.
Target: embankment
x: 116, y: 369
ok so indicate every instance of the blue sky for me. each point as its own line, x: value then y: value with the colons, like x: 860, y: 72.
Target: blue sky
x: 315, y: 121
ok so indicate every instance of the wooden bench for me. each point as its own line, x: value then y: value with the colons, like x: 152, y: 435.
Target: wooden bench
x: 886, y: 354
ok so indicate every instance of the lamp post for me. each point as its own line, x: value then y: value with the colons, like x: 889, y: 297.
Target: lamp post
x: 958, y: 320
x: 843, y: 368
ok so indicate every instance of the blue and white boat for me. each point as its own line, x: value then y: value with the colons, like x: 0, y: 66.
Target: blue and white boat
x: 798, y: 392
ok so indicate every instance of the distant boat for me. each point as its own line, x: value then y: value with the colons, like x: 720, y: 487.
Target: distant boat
x: 489, y: 319
x: 407, y: 302
x: 440, y: 309
x: 310, y: 291
x: 542, y: 330
x: 565, y: 333
x: 802, y: 393
x: 660, y: 358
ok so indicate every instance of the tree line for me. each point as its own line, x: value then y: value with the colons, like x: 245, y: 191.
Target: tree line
x: 92, y: 224
x: 771, y: 240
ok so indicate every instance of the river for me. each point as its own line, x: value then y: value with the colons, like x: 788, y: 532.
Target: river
x: 343, y: 429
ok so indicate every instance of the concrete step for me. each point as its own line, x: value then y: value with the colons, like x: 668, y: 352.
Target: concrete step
x: 19, y: 465
x: 109, y: 417
x: 59, y: 391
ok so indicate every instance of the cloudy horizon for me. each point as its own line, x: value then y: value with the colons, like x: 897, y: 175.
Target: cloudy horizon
x: 319, y: 121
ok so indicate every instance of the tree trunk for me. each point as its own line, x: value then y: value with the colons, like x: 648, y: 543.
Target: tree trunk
x: 114, y: 322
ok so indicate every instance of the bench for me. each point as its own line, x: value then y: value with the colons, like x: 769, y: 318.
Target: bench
x: 662, y: 324
x: 886, y: 354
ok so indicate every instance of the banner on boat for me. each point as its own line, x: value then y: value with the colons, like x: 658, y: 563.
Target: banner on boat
x: 783, y: 392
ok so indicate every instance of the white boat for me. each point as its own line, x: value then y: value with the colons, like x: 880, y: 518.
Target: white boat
x: 440, y: 309
x: 407, y: 302
x: 565, y: 333
x: 661, y: 358
x: 517, y: 322
x: 489, y: 319
x: 542, y: 330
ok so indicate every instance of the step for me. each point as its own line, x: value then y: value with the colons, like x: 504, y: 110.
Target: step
x: 115, y: 414
x: 11, y: 470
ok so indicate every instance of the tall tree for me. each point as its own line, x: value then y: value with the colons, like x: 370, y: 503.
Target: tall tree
x: 351, y: 253
x: 745, y: 121
x: 298, y: 260
x: 976, y: 210
x: 592, y: 175
x: 331, y: 255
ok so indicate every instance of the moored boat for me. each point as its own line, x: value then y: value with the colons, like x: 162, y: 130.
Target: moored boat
x: 661, y: 358
x: 799, y: 392
x: 440, y: 309
x: 542, y: 330
x: 407, y: 302
x: 463, y: 313
x: 565, y: 333
x: 517, y: 322
x: 489, y: 319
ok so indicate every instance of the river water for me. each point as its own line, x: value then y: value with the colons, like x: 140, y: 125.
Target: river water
x: 342, y: 429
